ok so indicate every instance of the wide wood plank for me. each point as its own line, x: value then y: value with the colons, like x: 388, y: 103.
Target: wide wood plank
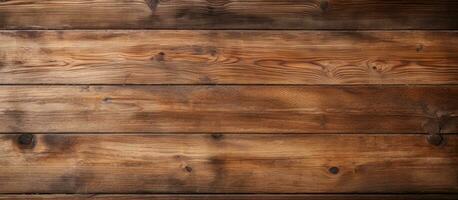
x: 229, y: 14
x: 228, y: 57
x: 256, y: 109
x: 236, y: 197
x: 226, y: 163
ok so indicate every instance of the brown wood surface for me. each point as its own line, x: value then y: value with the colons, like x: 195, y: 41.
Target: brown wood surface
x: 236, y: 197
x: 228, y: 99
x: 256, y: 109
x: 227, y: 163
x: 228, y: 57
x: 229, y: 14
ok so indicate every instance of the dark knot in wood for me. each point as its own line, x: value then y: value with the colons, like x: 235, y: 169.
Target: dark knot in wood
x: 333, y: 170
x: 435, y: 127
x: 324, y: 5
x: 434, y: 139
x: 26, y: 140
x: 188, y: 169
x: 152, y: 4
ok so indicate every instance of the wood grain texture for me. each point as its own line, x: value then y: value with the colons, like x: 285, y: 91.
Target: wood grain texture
x: 255, y: 109
x: 235, y: 197
x: 227, y: 163
x: 229, y: 14
x: 228, y: 57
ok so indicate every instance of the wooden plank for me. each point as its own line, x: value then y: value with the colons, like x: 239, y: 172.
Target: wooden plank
x: 231, y: 163
x: 236, y: 197
x: 255, y: 109
x: 228, y: 57
x: 229, y: 14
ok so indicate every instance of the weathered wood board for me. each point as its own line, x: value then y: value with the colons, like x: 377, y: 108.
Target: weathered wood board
x: 229, y: 99
x: 228, y: 57
x: 229, y: 14
x: 227, y: 163
x: 235, y: 197
x: 230, y: 109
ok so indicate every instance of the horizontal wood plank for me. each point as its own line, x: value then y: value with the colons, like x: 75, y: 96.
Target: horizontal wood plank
x: 229, y: 14
x: 235, y: 197
x: 228, y: 57
x: 255, y: 109
x: 227, y: 163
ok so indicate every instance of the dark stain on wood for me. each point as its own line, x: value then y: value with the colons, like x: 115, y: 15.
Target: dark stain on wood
x: 60, y: 144
x: 217, y: 136
x: 28, y: 34
x: 73, y: 182
x: 16, y: 117
x: 215, y: 16
x: 419, y: 47
x: 219, y: 171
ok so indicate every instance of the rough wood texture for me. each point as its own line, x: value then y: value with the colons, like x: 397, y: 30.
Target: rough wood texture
x: 228, y: 57
x: 229, y: 14
x: 235, y: 197
x: 282, y: 109
x: 227, y: 163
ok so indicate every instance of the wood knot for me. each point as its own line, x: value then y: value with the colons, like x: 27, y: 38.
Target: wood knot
x: 152, y: 4
x: 324, y: 5
x: 160, y: 57
x: 26, y: 141
x: 188, y: 169
x: 435, y: 126
x: 434, y: 139
x: 333, y: 170
x: 377, y: 66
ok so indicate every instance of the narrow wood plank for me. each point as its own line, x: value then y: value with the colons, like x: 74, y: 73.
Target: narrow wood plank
x: 228, y: 57
x: 236, y: 197
x: 255, y: 109
x: 231, y: 163
x: 229, y: 14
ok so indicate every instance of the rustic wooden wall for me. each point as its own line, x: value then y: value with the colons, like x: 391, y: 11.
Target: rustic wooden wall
x: 228, y: 99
